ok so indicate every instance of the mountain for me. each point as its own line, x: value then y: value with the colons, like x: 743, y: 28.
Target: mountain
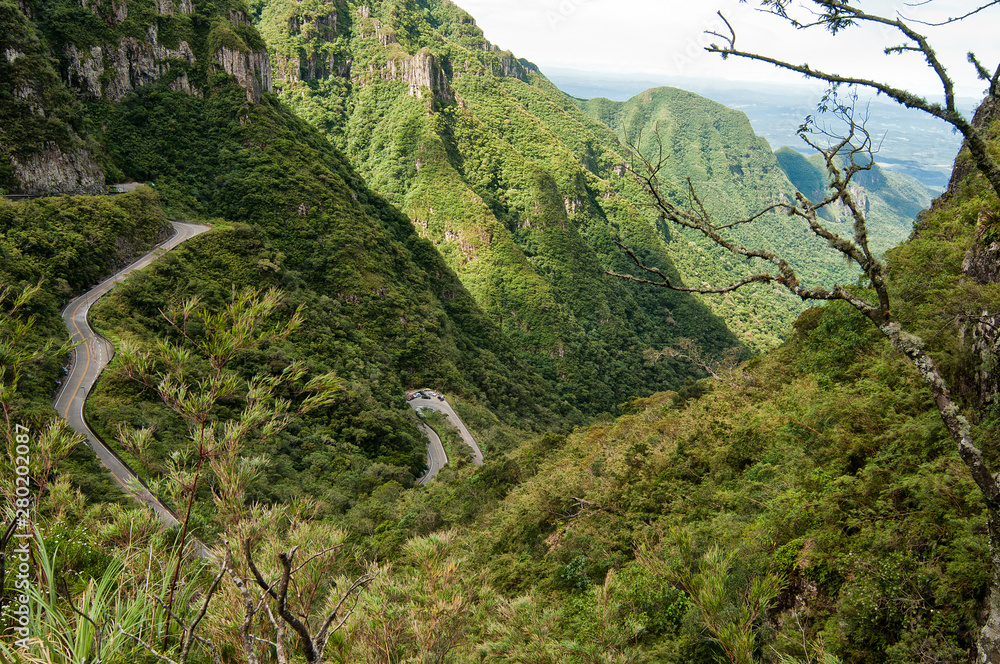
x: 519, y: 191
x: 823, y: 467
x: 891, y: 201
x: 910, y: 142
x: 522, y: 187
x: 734, y: 174
x: 809, y: 506
x: 176, y: 95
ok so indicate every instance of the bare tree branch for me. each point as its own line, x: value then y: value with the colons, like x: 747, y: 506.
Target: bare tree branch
x: 955, y: 19
x: 844, y: 159
x: 836, y: 15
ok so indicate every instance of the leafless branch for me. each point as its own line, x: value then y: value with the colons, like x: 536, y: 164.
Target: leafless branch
x: 947, y: 21
x: 837, y: 14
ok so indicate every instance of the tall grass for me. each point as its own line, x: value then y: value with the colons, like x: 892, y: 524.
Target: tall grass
x: 98, y: 624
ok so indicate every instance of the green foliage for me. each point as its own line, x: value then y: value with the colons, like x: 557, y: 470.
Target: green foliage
x: 64, y: 245
x: 75, y: 241
x: 827, y: 464
x: 37, y: 112
x: 509, y: 180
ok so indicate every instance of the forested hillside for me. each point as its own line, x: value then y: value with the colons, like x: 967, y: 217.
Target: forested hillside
x: 427, y: 108
x: 380, y: 305
x: 735, y: 175
x: 413, y: 208
x: 520, y: 192
x: 890, y: 200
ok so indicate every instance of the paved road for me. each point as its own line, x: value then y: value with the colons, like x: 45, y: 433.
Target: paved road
x: 444, y: 407
x: 436, y: 456
x: 90, y: 358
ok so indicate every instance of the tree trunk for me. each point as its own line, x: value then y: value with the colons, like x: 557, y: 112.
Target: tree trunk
x: 988, y: 645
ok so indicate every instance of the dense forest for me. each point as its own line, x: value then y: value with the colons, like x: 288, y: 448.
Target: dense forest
x: 396, y: 203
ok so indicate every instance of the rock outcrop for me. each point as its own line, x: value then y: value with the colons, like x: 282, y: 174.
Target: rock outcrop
x: 126, y: 66
x: 52, y: 171
x: 420, y: 71
x: 169, y: 7
x: 982, y: 265
x: 111, y: 71
x: 312, y: 65
x: 252, y: 70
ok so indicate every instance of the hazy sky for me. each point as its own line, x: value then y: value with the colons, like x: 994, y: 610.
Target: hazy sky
x: 665, y: 38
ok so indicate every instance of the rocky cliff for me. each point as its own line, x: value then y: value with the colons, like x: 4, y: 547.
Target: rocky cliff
x: 40, y: 133
x: 51, y: 171
x: 322, y: 41
x: 114, y: 70
x: 59, y: 53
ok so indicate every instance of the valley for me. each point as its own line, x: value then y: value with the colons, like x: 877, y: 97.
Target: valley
x: 399, y: 398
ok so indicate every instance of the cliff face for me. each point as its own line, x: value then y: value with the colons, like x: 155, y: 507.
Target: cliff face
x: 115, y: 70
x: 51, y: 171
x: 57, y: 53
x: 978, y: 328
x: 373, y: 43
x: 420, y: 72
x: 252, y: 69
x: 42, y: 151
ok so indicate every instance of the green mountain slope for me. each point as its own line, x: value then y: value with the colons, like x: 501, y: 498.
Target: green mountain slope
x: 519, y: 191
x: 823, y: 464
x: 735, y: 175
x: 891, y: 201
x: 382, y: 307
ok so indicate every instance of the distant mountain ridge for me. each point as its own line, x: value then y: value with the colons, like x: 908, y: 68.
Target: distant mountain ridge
x: 910, y: 142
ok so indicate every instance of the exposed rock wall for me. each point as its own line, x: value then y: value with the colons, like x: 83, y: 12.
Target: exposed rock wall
x: 419, y: 71
x: 169, y: 7
x: 987, y: 112
x: 313, y: 65
x: 252, y: 70
x: 111, y: 71
x: 982, y: 334
x: 51, y: 171
x: 125, y: 66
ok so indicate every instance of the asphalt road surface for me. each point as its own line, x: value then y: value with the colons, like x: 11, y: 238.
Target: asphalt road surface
x: 444, y: 407
x: 93, y: 355
x: 436, y: 456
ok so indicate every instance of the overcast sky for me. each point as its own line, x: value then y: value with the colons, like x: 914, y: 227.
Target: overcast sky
x: 665, y: 38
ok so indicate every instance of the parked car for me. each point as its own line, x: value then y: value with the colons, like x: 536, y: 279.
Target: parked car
x: 440, y: 398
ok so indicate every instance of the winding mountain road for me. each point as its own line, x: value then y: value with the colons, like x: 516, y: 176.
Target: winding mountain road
x: 437, y: 458
x: 434, y: 465
x: 93, y: 355
x: 95, y: 352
